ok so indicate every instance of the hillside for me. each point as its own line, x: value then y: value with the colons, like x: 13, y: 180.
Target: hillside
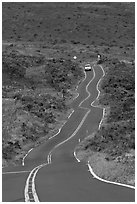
x: 35, y: 92
x: 39, y: 43
x: 111, y: 149
x: 105, y: 24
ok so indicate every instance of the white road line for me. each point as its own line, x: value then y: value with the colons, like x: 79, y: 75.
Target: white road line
x: 111, y: 182
x: 74, y: 133
x: 90, y: 169
x: 23, y: 160
x: 49, y: 158
x: 71, y: 113
x: 102, y: 119
x: 81, y: 123
x: 58, y: 131
x: 15, y: 172
x: 97, y: 86
x: 32, y: 184
x: 35, y: 170
x: 87, y: 89
x: 76, y: 156
x: 26, y: 156
x: 26, y: 191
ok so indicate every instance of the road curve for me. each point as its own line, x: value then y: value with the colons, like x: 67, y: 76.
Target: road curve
x: 14, y: 178
x: 65, y: 179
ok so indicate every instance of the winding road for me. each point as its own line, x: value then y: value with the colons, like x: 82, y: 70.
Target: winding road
x: 51, y: 172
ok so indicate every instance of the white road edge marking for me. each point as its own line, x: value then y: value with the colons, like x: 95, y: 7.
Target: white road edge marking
x: 90, y: 169
x: 87, y: 89
x: 81, y: 123
x: 35, y: 170
x: 76, y: 156
x: 111, y: 182
x: 49, y: 155
x: 27, y: 199
x: 23, y: 160
x: 79, y: 126
x: 26, y: 193
x: 26, y: 156
x: 32, y: 183
x: 15, y: 172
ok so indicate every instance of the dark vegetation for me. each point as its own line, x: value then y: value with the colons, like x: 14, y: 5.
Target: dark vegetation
x: 27, y: 120
x: 16, y: 64
x: 62, y: 75
x: 117, y: 136
x: 28, y: 110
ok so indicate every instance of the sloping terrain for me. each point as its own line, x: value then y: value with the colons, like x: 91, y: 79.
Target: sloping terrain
x: 111, y: 149
x: 35, y: 92
x: 35, y: 34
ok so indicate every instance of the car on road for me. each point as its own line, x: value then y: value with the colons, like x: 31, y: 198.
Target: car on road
x: 87, y: 67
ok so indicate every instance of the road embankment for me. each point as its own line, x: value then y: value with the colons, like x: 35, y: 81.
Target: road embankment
x: 119, y: 169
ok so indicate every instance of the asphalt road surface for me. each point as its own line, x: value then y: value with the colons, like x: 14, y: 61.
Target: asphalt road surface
x: 65, y: 179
